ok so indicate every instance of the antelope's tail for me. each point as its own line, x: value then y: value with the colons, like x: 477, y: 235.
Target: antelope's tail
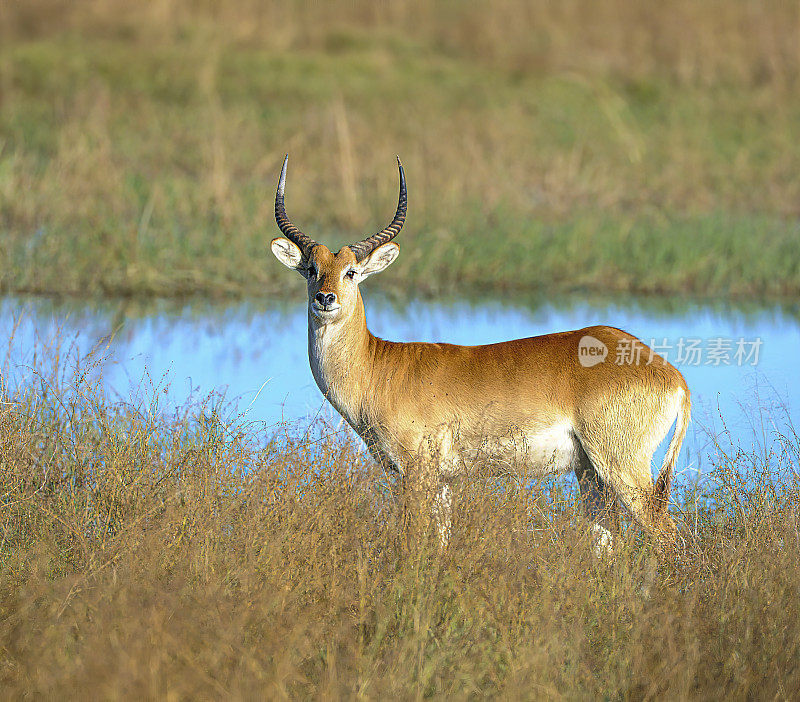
x: 664, y: 480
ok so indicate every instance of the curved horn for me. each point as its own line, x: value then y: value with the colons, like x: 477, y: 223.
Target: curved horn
x: 306, y: 243
x: 363, y: 248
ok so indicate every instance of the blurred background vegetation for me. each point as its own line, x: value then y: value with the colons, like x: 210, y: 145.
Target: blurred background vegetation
x: 638, y: 147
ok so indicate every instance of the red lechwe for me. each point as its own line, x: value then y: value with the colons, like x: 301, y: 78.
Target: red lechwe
x: 543, y: 405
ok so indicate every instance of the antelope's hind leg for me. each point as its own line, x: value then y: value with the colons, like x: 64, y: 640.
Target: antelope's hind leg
x: 599, y: 504
x: 628, y: 477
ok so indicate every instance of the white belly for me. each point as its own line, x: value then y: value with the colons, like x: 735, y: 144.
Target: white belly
x: 539, y: 451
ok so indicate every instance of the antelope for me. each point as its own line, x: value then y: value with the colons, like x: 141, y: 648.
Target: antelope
x: 434, y: 412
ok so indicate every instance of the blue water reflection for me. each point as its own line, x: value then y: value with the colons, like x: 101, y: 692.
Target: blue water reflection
x: 257, y: 354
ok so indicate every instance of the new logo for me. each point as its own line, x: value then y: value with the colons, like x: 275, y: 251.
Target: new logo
x: 591, y: 351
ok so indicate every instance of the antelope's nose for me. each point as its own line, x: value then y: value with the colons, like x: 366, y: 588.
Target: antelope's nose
x: 325, y: 299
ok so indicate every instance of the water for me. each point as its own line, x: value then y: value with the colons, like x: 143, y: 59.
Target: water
x: 256, y: 354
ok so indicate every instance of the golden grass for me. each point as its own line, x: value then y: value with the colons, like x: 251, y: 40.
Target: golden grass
x: 184, y: 554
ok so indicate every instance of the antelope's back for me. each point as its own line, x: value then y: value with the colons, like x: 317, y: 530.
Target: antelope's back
x: 541, y: 379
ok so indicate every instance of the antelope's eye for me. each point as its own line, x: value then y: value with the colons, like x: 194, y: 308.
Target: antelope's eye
x: 350, y: 274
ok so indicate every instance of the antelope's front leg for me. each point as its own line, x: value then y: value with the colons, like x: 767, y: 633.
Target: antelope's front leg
x: 443, y: 512
x: 427, y: 496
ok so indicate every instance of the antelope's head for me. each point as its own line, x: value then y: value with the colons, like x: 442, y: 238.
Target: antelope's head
x: 333, y: 278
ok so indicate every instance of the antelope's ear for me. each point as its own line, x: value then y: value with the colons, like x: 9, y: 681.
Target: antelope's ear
x: 379, y: 259
x: 287, y: 252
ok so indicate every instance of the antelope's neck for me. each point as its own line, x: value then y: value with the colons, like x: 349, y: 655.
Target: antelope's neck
x: 340, y: 357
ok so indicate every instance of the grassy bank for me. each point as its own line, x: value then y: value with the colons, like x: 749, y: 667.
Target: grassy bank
x: 644, y: 148
x: 186, y: 554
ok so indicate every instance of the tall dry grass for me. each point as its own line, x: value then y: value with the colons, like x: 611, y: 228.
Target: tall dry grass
x: 183, y: 553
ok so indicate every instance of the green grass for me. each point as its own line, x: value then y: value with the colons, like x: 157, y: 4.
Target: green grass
x: 189, y: 554
x: 544, y: 148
